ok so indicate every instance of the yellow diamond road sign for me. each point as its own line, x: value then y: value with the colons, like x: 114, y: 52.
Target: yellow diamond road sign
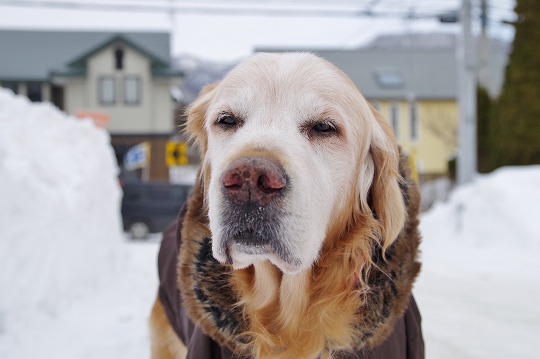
x: 176, y: 154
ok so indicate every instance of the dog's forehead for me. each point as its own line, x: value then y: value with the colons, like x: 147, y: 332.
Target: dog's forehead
x: 283, y: 71
x: 299, y: 83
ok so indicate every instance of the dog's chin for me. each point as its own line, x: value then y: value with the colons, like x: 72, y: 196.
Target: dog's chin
x: 246, y: 235
x: 241, y: 256
x: 242, y: 260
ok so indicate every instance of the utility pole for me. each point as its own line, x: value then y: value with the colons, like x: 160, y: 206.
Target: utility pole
x: 172, y: 19
x: 466, y: 161
x: 485, y: 77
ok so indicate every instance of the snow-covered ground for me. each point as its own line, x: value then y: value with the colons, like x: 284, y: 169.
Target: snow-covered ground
x: 72, y: 285
x: 479, y: 290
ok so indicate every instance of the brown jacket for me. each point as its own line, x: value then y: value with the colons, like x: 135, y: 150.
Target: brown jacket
x: 405, y: 341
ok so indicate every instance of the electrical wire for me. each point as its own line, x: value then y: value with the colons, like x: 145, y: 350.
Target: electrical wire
x: 411, y: 9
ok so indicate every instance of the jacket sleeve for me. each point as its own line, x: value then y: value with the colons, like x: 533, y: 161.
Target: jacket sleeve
x: 169, y: 295
x: 405, y: 342
x: 413, y: 325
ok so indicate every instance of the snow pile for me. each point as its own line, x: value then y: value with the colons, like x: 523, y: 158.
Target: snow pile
x: 479, y: 289
x: 60, y: 224
x: 497, y: 215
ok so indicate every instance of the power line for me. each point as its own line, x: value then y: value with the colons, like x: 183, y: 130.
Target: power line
x: 181, y: 8
x: 242, y: 8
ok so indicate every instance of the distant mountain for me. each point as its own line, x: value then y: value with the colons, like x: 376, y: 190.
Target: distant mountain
x: 198, y: 73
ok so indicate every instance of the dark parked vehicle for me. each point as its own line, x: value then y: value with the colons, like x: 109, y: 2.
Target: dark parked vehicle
x: 148, y: 207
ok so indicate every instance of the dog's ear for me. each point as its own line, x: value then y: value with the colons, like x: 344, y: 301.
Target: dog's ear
x: 196, y: 114
x: 385, y: 197
x: 195, y: 129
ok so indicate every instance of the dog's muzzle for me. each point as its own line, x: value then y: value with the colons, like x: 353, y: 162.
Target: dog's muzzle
x: 254, y: 189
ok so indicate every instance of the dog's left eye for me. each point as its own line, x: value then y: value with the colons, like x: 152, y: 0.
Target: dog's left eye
x: 227, y: 120
x: 324, y: 127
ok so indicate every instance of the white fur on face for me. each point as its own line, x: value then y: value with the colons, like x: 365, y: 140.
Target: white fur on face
x: 277, y: 100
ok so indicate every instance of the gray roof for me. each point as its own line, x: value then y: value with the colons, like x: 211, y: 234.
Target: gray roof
x: 32, y: 55
x: 416, y: 40
x: 419, y: 65
x: 426, y: 74
x: 390, y: 73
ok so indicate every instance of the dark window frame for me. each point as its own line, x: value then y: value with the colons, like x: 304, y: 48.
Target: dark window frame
x: 119, y: 56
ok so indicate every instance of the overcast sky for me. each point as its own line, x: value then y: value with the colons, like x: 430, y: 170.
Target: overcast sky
x: 223, y: 36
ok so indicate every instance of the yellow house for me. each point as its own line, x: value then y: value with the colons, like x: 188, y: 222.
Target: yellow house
x: 426, y: 131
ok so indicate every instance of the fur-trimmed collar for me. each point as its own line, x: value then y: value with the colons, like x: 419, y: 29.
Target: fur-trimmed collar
x: 212, y: 302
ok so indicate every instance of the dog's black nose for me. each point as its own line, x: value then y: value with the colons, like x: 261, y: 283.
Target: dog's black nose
x: 256, y: 180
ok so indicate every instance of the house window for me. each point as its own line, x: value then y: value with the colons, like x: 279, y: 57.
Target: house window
x: 34, y: 92
x: 107, y: 93
x: 119, y: 59
x: 394, y: 118
x: 389, y: 78
x: 414, y: 121
x: 132, y: 90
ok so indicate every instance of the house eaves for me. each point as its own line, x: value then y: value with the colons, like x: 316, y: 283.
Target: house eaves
x: 167, y: 72
x: 67, y: 72
x: 80, y: 60
x: 28, y: 55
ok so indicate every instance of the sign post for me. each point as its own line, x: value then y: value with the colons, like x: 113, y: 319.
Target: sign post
x: 138, y: 156
x: 176, y: 154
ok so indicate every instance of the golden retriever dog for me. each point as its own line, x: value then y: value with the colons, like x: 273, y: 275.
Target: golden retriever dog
x: 300, y: 237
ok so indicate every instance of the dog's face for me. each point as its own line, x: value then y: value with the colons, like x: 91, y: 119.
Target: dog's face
x: 288, y: 146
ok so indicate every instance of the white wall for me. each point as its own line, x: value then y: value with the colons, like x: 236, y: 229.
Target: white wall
x: 75, y: 97
x: 162, y: 107
x: 124, y: 118
x: 154, y: 112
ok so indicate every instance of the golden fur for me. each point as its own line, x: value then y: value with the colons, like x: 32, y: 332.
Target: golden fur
x: 165, y: 342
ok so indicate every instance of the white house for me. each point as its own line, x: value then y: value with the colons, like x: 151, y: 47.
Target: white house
x: 122, y: 80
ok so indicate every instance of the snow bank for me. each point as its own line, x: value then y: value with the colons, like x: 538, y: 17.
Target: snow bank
x: 490, y: 222
x: 479, y: 289
x: 60, y: 225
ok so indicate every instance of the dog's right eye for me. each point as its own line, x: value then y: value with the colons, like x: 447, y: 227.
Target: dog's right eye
x: 227, y: 120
